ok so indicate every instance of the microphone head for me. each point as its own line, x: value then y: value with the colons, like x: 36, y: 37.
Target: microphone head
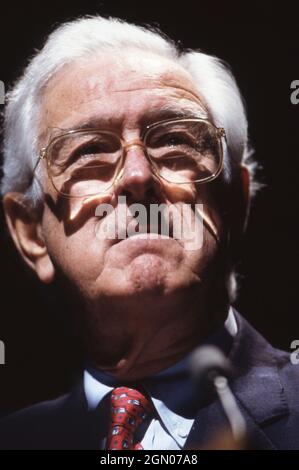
x: 207, y: 362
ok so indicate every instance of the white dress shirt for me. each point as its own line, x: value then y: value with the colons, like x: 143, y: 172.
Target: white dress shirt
x: 172, y: 394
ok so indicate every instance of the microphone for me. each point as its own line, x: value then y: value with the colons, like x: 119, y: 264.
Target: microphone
x: 211, y: 371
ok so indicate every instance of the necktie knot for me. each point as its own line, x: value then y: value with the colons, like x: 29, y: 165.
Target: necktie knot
x: 129, y: 408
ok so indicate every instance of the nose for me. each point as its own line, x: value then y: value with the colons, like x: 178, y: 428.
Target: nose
x: 137, y: 181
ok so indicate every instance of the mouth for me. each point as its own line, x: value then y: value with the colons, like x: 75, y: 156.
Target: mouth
x: 146, y: 232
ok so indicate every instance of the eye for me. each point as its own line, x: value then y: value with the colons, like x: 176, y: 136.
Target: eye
x: 91, y: 149
x: 172, y: 140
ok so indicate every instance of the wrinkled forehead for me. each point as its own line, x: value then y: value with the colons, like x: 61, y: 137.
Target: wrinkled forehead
x: 120, y: 90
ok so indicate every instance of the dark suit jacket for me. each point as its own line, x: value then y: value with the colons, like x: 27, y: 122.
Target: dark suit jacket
x: 266, y: 388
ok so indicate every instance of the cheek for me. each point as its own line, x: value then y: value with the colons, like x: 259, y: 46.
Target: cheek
x: 212, y: 208
x: 202, y: 250
x: 80, y: 255
x: 199, y: 260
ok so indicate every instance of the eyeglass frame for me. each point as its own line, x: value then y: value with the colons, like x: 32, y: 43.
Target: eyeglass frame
x: 220, y: 133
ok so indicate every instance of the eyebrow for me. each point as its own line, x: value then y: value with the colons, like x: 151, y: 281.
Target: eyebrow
x: 167, y: 111
x: 173, y: 111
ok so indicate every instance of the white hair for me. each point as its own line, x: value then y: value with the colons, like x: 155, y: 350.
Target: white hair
x: 90, y: 35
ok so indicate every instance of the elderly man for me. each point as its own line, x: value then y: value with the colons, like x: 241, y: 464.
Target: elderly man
x: 107, y: 116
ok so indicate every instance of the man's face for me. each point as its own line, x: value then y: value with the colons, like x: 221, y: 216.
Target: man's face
x: 147, y: 278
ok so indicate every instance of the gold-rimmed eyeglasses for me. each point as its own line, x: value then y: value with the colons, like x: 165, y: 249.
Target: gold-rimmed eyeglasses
x: 86, y: 162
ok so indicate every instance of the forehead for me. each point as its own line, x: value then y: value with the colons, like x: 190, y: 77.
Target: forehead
x: 122, y: 90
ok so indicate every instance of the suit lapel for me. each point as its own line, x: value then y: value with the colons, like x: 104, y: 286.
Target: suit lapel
x: 256, y: 386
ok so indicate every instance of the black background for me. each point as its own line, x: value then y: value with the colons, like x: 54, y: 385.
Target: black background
x: 260, y: 42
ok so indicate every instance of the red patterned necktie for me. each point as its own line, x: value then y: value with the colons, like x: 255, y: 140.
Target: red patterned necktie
x: 129, y: 408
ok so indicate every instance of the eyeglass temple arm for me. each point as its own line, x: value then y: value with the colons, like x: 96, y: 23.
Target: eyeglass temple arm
x: 39, y: 158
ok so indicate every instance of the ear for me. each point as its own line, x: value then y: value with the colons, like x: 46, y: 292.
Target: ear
x: 25, y: 227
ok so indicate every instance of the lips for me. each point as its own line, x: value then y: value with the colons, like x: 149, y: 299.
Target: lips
x: 132, y: 230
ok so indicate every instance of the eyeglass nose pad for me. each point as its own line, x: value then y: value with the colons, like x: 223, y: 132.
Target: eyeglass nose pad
x: 134, y: 143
